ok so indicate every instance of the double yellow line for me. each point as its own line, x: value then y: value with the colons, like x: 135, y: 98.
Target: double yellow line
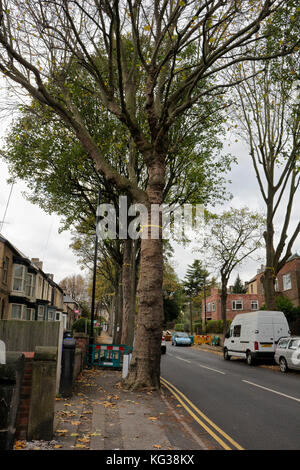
x: 213, y: 430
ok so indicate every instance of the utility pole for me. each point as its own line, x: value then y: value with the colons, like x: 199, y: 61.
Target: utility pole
x: 92, y: 339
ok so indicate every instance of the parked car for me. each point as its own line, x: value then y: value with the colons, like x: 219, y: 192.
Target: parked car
x: 163, y: 345
x: 255, y: 335
x: 287, y: 353
x: 180, y: 338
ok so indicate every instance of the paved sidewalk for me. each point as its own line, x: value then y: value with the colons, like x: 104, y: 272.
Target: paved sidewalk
x: 101, y: 415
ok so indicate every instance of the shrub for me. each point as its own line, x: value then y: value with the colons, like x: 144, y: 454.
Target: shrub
x: 82, y: 325
x: 179, y: 327
x: 216, y: 326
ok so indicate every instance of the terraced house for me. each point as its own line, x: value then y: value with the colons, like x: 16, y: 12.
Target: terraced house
x: 26, y: 291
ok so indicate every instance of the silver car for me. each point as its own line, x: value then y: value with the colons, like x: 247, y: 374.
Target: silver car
x: 287, y: 353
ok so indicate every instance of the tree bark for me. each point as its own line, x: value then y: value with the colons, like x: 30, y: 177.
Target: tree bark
x: 118, y: 312
x: 270, y: 269
x: 127, y: 285
x: 144, y: 369
x: 223, y: 305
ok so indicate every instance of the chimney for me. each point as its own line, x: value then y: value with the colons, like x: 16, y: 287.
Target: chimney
x: 51, y: 276
x: 37, y: 262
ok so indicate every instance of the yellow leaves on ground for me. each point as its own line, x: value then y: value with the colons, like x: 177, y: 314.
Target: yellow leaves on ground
x: 20, y: 445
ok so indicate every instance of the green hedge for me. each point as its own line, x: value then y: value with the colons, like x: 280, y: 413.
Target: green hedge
x: 179, y: 327
x: 216, y: 326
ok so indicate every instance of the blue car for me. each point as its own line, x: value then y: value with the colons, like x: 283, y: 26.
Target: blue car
x: 181, y: 339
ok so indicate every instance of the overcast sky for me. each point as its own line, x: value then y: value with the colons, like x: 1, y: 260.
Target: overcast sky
x: 35, y: 233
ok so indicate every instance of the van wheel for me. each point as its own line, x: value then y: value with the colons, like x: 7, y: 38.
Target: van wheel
x: 249, y: 358
x: 283, y: 365
x: 226, y: 355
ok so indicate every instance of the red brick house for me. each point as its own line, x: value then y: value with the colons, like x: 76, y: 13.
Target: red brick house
x: 287, y: 285
x: 236, y: 303
x: 288, y: 280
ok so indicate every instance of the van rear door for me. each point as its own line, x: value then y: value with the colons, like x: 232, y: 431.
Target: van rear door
x: 266, y: 337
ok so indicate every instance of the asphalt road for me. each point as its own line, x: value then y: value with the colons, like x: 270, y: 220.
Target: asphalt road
x: 257, y: 407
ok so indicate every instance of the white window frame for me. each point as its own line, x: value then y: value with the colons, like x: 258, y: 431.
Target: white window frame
x: 234, y: 307
x: 213, y: 306
x: 286, y: 281
x: 256, y: 303
x: 31, y: 314
x: 21, y: 312
x: 43, y: 309
x: 19, y: 278
x: 208, y: 307
x: 30, y: 286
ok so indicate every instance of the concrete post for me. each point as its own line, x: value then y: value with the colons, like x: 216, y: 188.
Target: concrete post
x: 41, y: 414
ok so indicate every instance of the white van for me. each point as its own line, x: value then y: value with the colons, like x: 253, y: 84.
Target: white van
x: 255, y: 335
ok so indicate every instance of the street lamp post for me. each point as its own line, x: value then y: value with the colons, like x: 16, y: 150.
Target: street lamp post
x: 91, y: 339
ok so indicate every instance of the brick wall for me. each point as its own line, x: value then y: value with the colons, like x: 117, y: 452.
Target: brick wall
x: 215, y: 299
x: 293, y: 268
x: 24, y: 406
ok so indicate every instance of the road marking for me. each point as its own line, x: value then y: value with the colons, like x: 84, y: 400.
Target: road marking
x: 209, y: 368
x: 223, y: 444
x: 204, y: 367
x: 273, y: 391
x: 180, y: 358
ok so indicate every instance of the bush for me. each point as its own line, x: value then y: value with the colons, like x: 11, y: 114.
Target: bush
x: 216, y: 326
x: 82, y: 325
x: 179, y: 327
x: 197, y: 327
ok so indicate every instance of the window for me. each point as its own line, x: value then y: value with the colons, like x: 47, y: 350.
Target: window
x: 208, y: 307
x: 41, y: 312
x: 254, y: 305
x: 276, y: 285
x: 30, y: 285
x: 237, y: 305
x: 16, y: 311
x: 237, y: 331
x: 294, y: 344
x: 19, y: 272
x: 287, y: 281
x: 251, y: 288
x: 213, y: 307
x: 28, y: 314
x: 5, y: 269
x: 51, y: 315
x: 283, y: 343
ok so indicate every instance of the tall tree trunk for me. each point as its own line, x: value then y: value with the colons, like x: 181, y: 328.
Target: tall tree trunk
x: 134, y: 270
x: 127, y: 286
x: 144, y: 369
x: 223, y: 305
x: 270, y: 270
x: 118, y: 312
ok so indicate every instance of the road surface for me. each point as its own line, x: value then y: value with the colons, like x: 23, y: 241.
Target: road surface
x: 258, y: 408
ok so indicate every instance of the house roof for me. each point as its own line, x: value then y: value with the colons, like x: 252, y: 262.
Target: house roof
x: 294, y: 256
x: 69, y: 300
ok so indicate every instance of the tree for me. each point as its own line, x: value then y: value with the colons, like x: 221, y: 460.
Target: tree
x: 234, y: 236
x: 76, y: 286
x: 62, y: 177
x: 173, y: 297
x: 39, y: 44
x: 238, y: 287
x: 195, y: 282
x: 194, y: 278
x: 267, y: 113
